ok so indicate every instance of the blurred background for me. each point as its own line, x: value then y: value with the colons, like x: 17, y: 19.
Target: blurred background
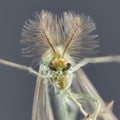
x: 17, y: 87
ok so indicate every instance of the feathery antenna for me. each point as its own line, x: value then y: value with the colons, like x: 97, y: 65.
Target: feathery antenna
x: 69, y: 41
x: 48, y: 40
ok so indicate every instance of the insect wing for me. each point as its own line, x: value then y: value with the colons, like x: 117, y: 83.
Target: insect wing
x: 41, y: 104
x: 81, y: 84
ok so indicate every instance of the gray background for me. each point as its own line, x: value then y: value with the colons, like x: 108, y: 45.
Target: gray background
x: 17, y: 87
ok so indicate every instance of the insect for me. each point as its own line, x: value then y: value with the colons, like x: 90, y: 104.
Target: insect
x: 61, y: 46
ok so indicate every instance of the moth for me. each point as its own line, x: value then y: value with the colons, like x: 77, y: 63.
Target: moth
x: 61, y: 46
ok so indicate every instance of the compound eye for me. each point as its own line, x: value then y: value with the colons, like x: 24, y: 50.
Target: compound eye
x: 52, y: 67
x: 67, y: 68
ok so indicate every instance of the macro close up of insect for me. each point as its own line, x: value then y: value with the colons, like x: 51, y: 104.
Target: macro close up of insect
x: 61, y: 45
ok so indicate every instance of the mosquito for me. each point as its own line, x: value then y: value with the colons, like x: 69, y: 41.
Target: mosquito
x: 61, y: 46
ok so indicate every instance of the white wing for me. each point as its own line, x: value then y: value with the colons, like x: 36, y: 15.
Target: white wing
x: 41, y: 104
x: 81, y: 84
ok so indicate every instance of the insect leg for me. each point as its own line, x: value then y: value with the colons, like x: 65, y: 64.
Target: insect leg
x: 19, y: 66
x: 94, y: 115
x: 77, y: 103
x: 104, y: 59
x: 88, y: 116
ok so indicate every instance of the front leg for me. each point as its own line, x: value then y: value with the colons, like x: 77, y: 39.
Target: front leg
x: 95, y: 60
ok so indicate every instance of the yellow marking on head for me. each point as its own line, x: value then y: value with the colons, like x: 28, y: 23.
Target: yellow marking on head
x: 59, y: 63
